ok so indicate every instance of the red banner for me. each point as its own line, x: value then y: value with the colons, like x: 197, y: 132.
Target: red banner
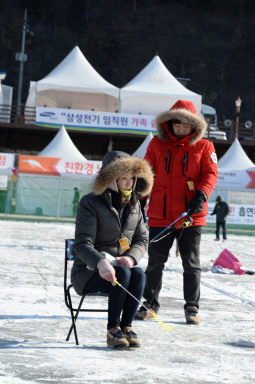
x: 38, y: 165
x: 57, y: 167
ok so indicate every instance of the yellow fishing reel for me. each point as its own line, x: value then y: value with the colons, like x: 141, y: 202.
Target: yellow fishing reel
x: 187, y: 222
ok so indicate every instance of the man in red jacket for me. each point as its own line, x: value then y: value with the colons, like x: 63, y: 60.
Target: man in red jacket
x: 185, y: 168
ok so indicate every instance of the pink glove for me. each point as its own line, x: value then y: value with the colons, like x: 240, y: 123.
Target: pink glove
x: 106, y: 271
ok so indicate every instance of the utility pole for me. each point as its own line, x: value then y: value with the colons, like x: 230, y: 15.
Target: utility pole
x: 21, y: 57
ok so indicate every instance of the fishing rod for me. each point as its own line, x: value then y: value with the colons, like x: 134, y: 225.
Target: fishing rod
x: 183, y: 225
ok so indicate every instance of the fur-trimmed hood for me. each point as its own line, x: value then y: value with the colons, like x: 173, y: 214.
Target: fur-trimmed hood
x: 116, y: 164
x: 185, y: 112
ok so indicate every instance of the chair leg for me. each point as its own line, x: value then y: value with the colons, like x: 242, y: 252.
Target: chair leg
x: 74, y: 318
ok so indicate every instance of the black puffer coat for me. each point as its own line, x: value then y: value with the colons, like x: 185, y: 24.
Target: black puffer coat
x: 98, y: 224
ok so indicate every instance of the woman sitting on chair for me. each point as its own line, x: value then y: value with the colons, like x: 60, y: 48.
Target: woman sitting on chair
x: 110, y: 240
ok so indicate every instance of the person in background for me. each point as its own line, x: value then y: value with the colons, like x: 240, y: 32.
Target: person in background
x: 221, y: 210
x: 76, y: 198
x: 110, y: 240
x: 185, y: 167
x: 3, y: 199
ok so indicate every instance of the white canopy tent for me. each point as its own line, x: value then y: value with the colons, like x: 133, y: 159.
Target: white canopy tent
x: 141, y: 150
x: 235, y: 158
x: 39, y: 190
x: 236, y: 184
x: 74, y: 84
x: 2, y: 77
x: 236, y: 170
x: 62, y: 146
x: 7, y: 164
x: 1, y: 96
x: 5, y: 100
x: 6, y: 92
x: 154, y: 90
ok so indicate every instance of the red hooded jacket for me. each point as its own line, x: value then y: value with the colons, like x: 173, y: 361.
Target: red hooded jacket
x: 180, y: 167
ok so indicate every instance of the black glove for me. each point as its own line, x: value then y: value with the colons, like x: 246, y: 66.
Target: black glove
x: 196, y: 204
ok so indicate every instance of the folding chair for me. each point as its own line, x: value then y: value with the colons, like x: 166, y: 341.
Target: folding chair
x: 70, y: 256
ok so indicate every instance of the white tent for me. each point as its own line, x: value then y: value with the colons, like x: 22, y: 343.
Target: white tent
x: 235, y: 158
x: 7, y: 164
x: 46, y: 182
x: 236, y: 170
x: 63, y: 147
x: 2, y: 77
x: 141, y: 150
x: 1, y: 96
x: 5, y: 100
x: 6, y: 92
x: 74, y: 84
x: 154, y: 90
x: 236, y: 184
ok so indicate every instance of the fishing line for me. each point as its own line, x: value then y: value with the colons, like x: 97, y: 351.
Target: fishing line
x: 166, y: 327
x: 186, y: 223
x: 226, y: 293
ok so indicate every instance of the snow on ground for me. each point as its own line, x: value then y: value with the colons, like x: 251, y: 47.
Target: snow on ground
x: 34, y: 320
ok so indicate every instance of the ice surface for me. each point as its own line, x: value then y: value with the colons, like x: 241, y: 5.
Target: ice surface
x: 34, y: 320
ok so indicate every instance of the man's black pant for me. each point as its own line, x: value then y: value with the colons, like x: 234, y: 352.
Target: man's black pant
x: 223, y: 225
x: 189, y: 247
